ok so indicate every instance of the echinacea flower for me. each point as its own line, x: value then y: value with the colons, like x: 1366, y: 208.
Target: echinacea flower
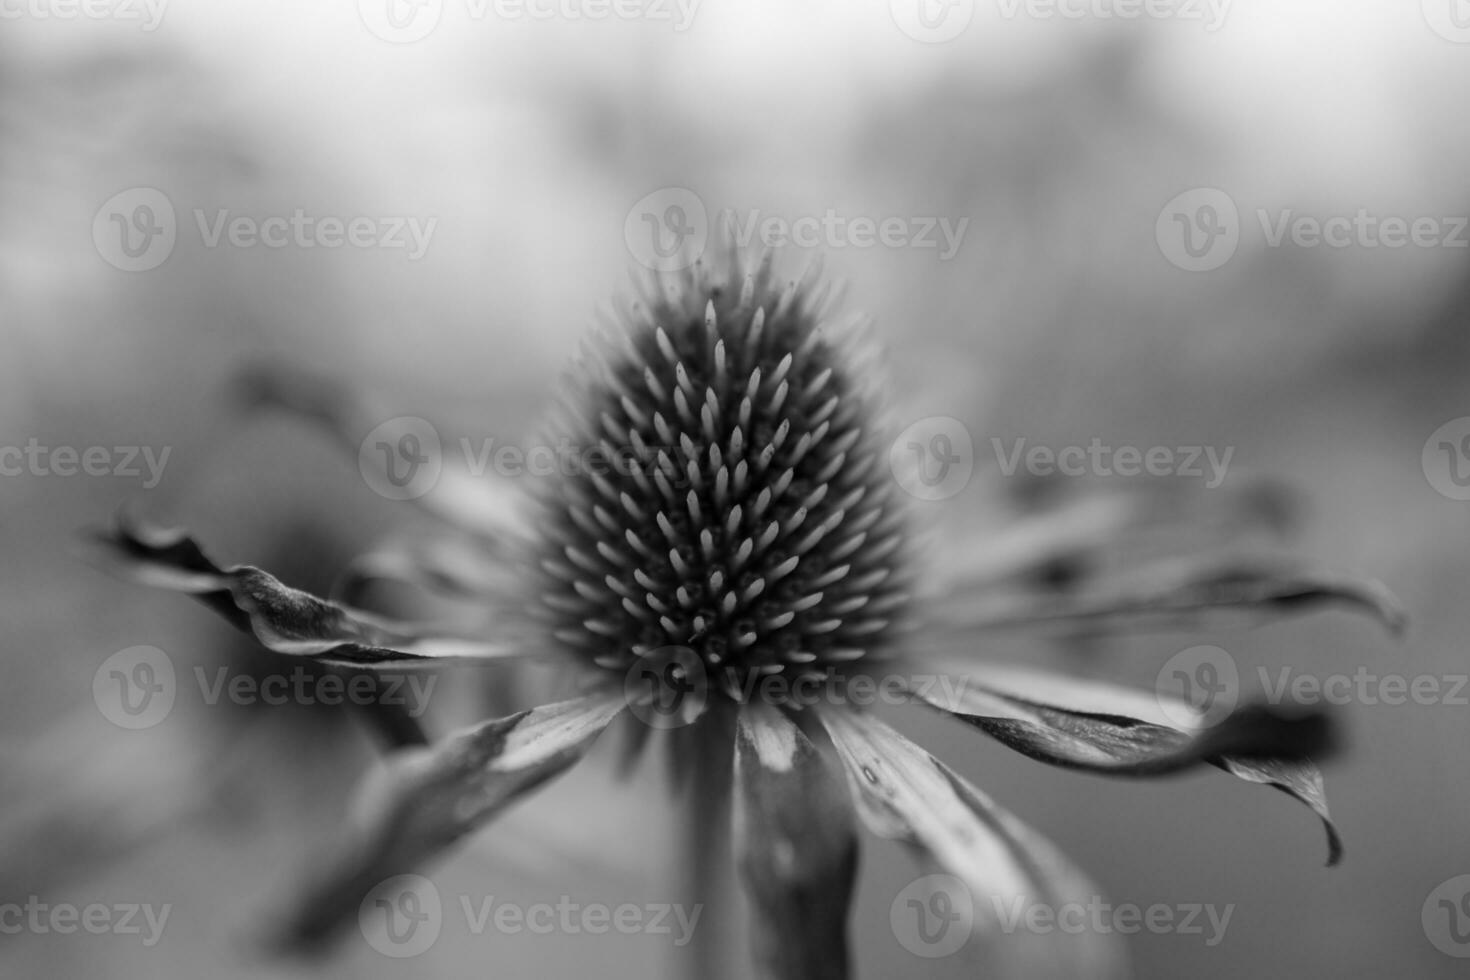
x: 741, y: 540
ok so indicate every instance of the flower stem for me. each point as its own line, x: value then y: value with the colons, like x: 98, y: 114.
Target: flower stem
x: 706, y: 866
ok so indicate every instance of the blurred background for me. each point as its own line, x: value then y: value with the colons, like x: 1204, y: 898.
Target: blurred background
x: 1127, y: 262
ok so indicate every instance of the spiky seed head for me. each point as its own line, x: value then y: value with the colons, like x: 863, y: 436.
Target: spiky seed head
x: 742, y: 508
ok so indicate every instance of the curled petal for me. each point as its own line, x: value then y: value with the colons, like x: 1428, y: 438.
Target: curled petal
x: 796, y: 848
x: 1098, y: 727
x: 1179, y: 595
x: 423, y: 801
x: 904, y: 793
x: 284, y: 620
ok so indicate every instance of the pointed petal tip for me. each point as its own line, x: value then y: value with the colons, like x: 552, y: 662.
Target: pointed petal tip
x: 1335, y: 849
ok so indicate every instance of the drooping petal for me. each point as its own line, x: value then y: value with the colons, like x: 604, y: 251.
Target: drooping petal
x: 796, y: 847
x: 423, y: 801
x: 1301, y: 781
x: 904, y: 793
x: 1175, y: 595
x: 284, y: 620
x: 1100, y: 727
x: 481, y: 505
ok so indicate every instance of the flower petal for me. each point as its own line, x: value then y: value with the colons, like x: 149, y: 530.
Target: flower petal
x: 284, y: 620
x: 423, y: 801
x: 481, y: 505
x: 1178, y: 594
x: 904, y: 793
x: 1099, y: 727
x: 796, y: 847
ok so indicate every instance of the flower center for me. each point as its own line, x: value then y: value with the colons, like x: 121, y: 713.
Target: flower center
x: 734, y: 498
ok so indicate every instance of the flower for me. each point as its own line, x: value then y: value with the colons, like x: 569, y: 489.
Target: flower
x: 735, y: 539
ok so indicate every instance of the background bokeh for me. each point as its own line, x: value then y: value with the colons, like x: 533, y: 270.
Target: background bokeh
x: 1059, y: 318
